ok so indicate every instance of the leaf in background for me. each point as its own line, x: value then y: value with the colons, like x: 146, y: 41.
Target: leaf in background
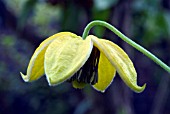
x: 156, y: 28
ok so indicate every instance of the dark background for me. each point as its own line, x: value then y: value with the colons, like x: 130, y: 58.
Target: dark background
x: 24, y: 24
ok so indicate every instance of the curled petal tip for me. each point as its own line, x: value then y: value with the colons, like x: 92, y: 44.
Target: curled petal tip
x: 50, y: 82
x: 24, y: 77
x: 140, y: 89
x: 102, y: 91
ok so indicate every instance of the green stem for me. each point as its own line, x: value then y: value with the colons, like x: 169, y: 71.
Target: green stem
x: 126, y: 39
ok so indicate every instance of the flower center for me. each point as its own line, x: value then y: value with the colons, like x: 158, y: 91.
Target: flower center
x: 89, y: 72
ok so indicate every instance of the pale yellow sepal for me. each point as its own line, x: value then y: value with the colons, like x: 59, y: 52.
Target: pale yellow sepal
x: 120, y: 60
x: 106, y: 73
x: 65, y: 56
x: 36, y: 65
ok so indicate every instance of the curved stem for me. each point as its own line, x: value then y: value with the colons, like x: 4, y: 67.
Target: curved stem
x: 126, y: 39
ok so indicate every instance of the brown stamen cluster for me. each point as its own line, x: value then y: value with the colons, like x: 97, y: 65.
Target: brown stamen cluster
x: 89, y: 72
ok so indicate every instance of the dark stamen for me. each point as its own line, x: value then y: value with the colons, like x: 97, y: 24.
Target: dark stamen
x: 89, y: 72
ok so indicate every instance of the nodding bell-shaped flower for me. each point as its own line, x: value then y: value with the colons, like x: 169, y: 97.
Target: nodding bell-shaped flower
x: 67, y: 57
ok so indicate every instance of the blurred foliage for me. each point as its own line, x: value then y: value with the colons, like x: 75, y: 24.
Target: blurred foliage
x: 104, y: 4
x: 152, y: 18
x: 25, y: 23
x: 48, y: 24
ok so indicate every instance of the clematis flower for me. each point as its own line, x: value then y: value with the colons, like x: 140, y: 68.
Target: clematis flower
x: 67, y: 57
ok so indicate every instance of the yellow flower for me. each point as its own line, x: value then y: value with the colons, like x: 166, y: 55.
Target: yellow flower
x: 67, y: 57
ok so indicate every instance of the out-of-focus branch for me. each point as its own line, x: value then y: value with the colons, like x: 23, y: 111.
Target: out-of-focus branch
x: 7, y: 18
x: 161, y: 96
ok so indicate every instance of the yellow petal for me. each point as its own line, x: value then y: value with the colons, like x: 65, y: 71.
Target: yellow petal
x: 106, y: 73
x: 65, y: 56
x: 120, y: 60
x: 36, y: 65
